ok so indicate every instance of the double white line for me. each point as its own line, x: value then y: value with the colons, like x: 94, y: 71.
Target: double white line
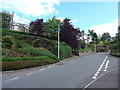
x: 98, y: 71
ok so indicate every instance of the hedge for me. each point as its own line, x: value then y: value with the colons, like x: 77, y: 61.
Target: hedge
x: 65, y: 51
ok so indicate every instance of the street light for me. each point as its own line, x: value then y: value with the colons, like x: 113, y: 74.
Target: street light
x: 58, y: 41
x: 95, y: 44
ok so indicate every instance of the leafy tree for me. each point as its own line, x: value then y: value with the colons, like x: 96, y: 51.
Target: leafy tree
x: 36, y: 27
x: 94, y: 36
x: 118, y: 38
x: 5, y: 19
x: 68, y: 34
x: 51, y: 28
x: 105, y: 36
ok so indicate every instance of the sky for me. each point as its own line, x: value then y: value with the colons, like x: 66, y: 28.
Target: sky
x: 100, y: 16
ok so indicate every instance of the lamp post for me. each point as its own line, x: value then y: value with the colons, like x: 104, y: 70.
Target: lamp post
x: 58, y: 41
x: 95, y: 44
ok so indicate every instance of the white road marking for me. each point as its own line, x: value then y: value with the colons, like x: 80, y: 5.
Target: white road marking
x: 30, y: 73
x: 98, y: 78
x: 12, y: 79
x: 97, y: 73
x: 49, y: 67
x: 42, y: 69
x: 106, y: 66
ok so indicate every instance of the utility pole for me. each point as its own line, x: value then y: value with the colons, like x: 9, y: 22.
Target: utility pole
x: 95, y: 45
x: 58, y: 41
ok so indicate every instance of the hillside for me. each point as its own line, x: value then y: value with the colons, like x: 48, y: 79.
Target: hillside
x: 21, y: 50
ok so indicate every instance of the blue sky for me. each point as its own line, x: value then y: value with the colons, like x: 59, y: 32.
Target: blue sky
x: 88, y: 13
x: 101, y: 16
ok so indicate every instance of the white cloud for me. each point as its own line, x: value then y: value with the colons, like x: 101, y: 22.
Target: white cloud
x: 72, y: 21
x: 21, y: 20
x: 75, y: 20
x: 110, y: 27
x: 30, y: 7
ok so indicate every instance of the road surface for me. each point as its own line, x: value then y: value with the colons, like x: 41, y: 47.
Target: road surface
x: 98, y: 70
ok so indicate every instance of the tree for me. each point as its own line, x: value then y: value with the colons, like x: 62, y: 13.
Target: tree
x: 50, y: 28
x: 36, y: 27
x: 68, y: 34
x: 94, y: 36
x: 118, y: 38
x: 105, y: 36
x: 5, y: 19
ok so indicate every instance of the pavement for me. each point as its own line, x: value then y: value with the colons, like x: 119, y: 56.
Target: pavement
x: 98, y: 70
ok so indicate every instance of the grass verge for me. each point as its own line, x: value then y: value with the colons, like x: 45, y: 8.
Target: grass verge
x: 16, y: 63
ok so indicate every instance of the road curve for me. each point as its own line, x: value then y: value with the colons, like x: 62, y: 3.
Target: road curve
x: 75, y: 73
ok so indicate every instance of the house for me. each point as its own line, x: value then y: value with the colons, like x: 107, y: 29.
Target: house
x: 19, y: 27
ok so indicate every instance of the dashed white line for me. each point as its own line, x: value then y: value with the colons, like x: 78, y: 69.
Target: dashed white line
x: 98, y: 78
x: 30, y: 73
x: 42, y: 69
x: 96, y: 74
x: 49, y: 67
x: 106, y: 66
x: 12, y: 79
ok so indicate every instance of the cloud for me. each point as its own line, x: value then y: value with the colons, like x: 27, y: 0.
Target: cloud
x: 72, y: 21
x: 75, y: 20
x: 30, y: 7
x: 20, y: 20
x: 110, y: 27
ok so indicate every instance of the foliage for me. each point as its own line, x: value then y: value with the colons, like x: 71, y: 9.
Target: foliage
x: 115, y: 53
x: 105, y: 42
x: 105, y: 36
x: 101, y: 48
x: 37, y: 52
x: 22, y: 64
x: 83, y: 50
x: 24, y: 58
x: 65, y: 51
x: 51, y: 28
x: 43, y: 43
x: 118, y: 38
x: 7, y: 41
x: 5, y: 19
x: 94, y: 36
x: 69, y: 35
x: 82, y: 45
x: 36, y: 27
x: 114, y: 46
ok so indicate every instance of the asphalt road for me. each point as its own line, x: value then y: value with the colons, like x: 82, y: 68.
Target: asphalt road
x: 98, y: 70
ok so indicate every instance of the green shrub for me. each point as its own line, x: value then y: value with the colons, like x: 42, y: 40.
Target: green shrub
x: 11, y: 58
x: 114, y: 46
x: 43, y: 43
x: 16, y: 32
x: 7, y: 41
x: 22, y: 44
x: 101, y: 48
x: 82, y: 45
x: 22, y: 64
x: 37, y: 52
x: 25, y: 58
x: 65, y: 51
